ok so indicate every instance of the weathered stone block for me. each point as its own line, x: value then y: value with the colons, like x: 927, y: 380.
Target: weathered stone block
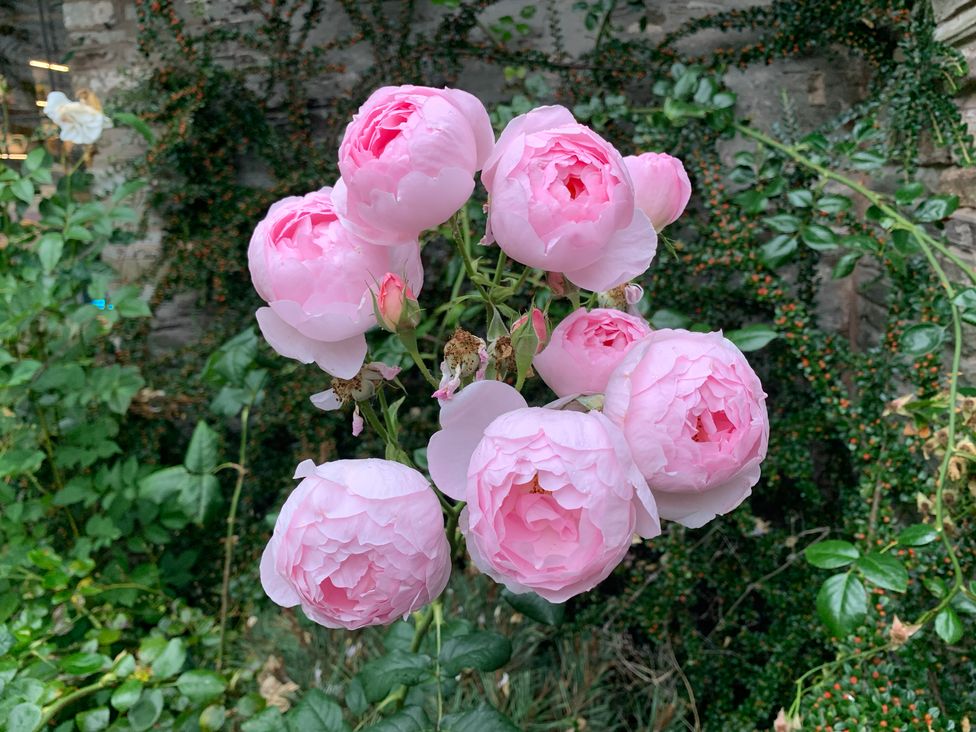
x: 80, y: 14
x: 960, y: 182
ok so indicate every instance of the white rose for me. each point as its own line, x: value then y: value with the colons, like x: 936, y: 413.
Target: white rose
x: 80, y: 123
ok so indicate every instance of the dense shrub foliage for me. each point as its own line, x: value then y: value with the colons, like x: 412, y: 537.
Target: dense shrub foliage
x: 128, y: 601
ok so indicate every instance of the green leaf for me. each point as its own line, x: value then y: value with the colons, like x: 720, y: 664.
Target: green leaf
x: 867, y: 160
x: 125, y: 696
x: 268, y: 720
x: 231, y: 361
x: 136, y: 123
x: 538, y: 609
x: 842, y: 603
x: 818, y: 237
x: 482, y: 719
x: 922, y: 338
x: 845, y: 265
x: 201, y: 494
x: 966, y: 300
x: 783, y: 223
x: 778, y: 250
x: 35, y: 159
x: 833, y: 204
x: 23, y: 372
x: 163, y: 484
x: 831, y: 554
x: 948, y: 626
x: 884, y: 570
x: 752, y: 337
x: 201, y: 455
x: 937, y: 208
x: 918, y: 535
x: 909, y: 192
x: 20, y: 462
x: 482, y: 650
x: 936, y: 586
x: 316, y: 711
x: 23, y: 718
x: 133, y: 307
x: 83, y: 664
x: 146, y: 711
x: 800, y: 198
x: 397, y: 667
x: 411, y: 719
x: 23, y: 189
x: 212, y: 718
x: 200, y: 685
x: 669, y: 319
x: 49, y: 250
x: 127, y: 189
x: 170, y: 661
x: 93, y: 720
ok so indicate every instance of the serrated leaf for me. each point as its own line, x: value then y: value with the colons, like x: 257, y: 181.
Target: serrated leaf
x: 884, y: 570
x: 918, y: 535
x: 163, y: 484
x: 482, y: 719
x: 948, y: 626
x: 397, y: 667
x: 752, y: 337
x: 831, y: 554
x: 411, y: 719
x: 842, y: 603
x: 481, y: 650
x: 35, y: 159
x: 316, y: 711
x: 202, y: 453
x: 922, y: 338
x: 535, y: 607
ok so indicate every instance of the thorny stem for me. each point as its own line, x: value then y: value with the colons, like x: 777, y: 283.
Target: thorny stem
x: 929, y: 246
x: 229, y: 538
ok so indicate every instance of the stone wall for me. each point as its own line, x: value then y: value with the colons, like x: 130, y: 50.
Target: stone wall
x: 102, y: 34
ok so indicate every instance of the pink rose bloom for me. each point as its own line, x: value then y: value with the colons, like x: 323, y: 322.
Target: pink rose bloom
x: 561, y: 199
x: 357, y: 543
x: 553, y: 498
x: 694, y: 414
x: 663, y: 188
x: 316, y: 277
x: 408, y: 160
x: 585, y: 349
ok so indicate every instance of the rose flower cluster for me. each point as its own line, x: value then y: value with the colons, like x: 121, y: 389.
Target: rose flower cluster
x: 648, y: 425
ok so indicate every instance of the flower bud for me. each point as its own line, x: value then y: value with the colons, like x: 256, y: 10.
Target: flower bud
x: 662, y: 186
x: 539, y: 330
x: 396, y: 306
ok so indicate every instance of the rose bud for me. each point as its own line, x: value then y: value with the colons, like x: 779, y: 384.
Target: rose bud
x: 396, y: 306
x: 663, y: 188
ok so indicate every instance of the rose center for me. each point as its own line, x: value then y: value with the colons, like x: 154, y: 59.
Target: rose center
x: 575, y: 186
x: 535, y: 488
x: 712, y: 426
